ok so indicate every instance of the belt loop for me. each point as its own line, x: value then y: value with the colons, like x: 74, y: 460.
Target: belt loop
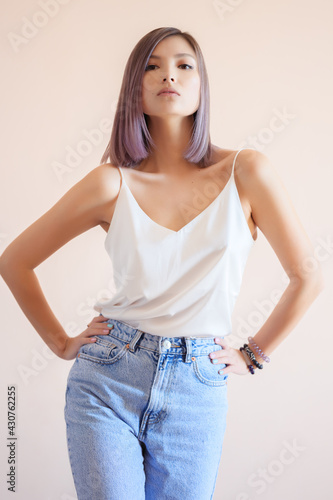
x: 134, y: 340
x: 188, y: 350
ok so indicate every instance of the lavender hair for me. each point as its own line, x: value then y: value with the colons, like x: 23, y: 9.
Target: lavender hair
x: 130, y: 140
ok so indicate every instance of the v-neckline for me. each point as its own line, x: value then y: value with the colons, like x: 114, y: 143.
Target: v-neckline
x: 186, y: 225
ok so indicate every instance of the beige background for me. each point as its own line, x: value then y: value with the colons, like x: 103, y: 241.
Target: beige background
x: 60, y: 81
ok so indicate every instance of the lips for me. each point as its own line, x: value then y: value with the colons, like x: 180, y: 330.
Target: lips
x: 168, y: 90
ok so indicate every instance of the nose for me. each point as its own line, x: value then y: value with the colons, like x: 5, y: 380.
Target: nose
x: 169, y: 78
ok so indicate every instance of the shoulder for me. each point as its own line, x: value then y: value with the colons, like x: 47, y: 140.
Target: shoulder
x: 97, y: 190
x: 259, y: 180
x: 247, y: 159
x: 251, y: 159
x: 104, y: 180
x: 105, y: 171
x: 255, y: 177
x: 250, y: 164
x: 253, y: 167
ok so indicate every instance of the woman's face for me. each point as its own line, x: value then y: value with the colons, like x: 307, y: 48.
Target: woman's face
x: 167, y: 69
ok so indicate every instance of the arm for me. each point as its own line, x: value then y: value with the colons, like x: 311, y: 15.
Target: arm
x: 80, y: 209
x: 273, y: 213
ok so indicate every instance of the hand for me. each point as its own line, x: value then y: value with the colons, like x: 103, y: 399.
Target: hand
x: 233, y: 358
x: 73, y: 344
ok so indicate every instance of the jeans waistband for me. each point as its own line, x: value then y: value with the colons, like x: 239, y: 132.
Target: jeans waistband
x: 190, y: 346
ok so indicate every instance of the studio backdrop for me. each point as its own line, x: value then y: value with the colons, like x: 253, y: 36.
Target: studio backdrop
x: 271, y: 80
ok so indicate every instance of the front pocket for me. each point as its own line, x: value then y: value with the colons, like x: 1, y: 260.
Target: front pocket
x: 207, y: 372
x: 102, y: 351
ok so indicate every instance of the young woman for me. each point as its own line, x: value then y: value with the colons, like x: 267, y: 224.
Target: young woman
x: 146, y: 397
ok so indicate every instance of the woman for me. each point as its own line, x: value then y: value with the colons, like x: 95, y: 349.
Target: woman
x: 146, y: 397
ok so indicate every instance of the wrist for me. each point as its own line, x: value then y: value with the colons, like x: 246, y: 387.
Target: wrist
x: 258, y: 351
x: 247, y: 360
x: 58, y: 343
x: 252, y: 357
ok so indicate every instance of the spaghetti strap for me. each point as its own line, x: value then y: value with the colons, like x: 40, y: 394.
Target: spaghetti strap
x: 121, y: 179
x: 233, y: 165
x: 121, y: 174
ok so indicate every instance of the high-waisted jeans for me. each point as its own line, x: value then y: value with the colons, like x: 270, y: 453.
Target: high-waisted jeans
x: 145, y: 417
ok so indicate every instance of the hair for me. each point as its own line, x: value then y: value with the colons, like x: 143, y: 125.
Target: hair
x: 130, y: 140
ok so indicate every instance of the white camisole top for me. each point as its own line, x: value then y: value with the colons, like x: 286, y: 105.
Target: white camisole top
x: 177, y: 283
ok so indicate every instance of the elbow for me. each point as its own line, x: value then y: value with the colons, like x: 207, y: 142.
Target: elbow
x: 311, y: 281
x: 12, y: 263
x: 4, y: 266
x: 316, y: 283
x: 7, y: 264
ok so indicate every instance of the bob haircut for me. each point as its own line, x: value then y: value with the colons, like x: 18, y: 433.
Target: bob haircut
x: 131, y: 141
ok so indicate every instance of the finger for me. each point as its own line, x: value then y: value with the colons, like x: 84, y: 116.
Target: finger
x: 97, y: 330
x: 101, y: 318
x: 91, y: 336
x: 222, y: 360
x: 221, y: 342
x: 219, y: 353
x: 97, y: 319
x: 227, y: 369
x: 91, y: 331
x: 89, y: 340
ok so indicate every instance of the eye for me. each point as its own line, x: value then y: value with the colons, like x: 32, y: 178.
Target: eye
x: 154, y: 66
x: 187, y: 65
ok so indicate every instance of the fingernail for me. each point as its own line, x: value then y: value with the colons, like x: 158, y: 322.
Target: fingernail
x: 110, y: 325
x: 215, y: 361
x: 93, y: 339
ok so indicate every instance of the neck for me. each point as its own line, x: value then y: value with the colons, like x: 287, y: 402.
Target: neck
x: 171, y: 137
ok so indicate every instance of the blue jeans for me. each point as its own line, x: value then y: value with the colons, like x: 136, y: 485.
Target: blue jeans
x: 145, y: 417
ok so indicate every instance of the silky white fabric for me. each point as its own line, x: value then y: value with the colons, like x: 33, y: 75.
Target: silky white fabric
x: 177, y: 283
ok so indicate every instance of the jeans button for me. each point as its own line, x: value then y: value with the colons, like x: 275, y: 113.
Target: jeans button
x: 167, y: 344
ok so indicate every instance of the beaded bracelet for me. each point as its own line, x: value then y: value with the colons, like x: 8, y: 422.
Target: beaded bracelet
x: 258, y: 350
x: 247, y: 360
x: 252, y: 357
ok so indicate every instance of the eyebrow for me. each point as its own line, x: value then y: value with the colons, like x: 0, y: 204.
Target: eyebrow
x: 182, y: 54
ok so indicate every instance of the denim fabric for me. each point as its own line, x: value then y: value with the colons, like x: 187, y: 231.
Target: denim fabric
x: 145, y: 417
